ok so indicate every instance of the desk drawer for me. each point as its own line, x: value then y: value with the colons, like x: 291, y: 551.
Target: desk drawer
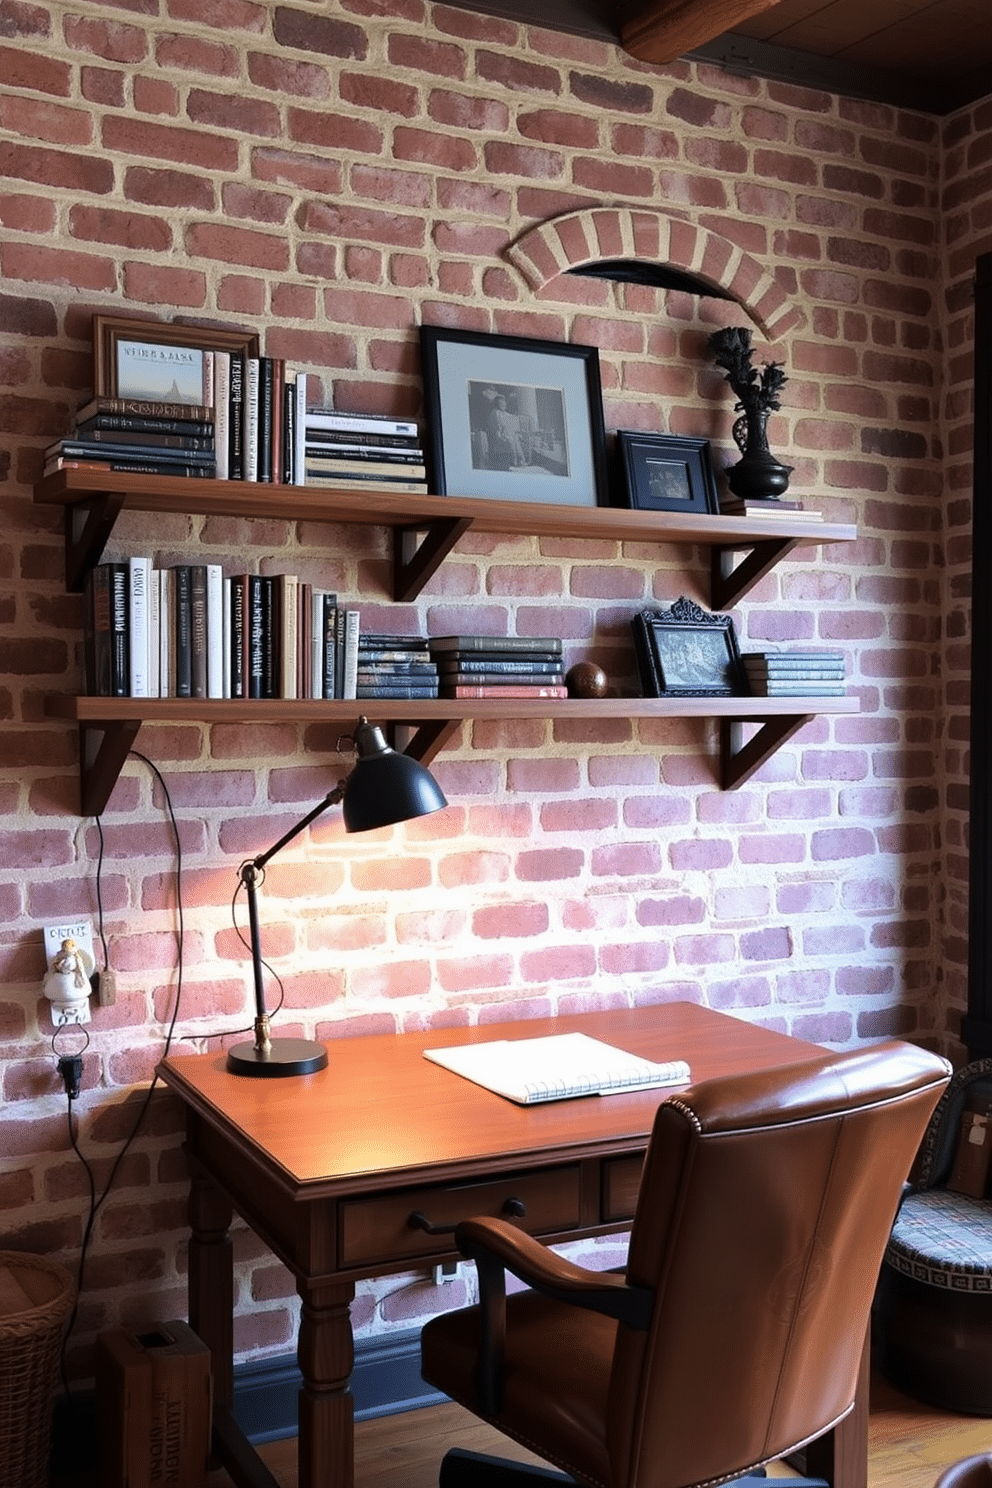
x: 621, y: 1184
x: 380, y: 1229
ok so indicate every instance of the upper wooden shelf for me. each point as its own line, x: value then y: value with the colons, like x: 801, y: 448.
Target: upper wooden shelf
x: 425, y: 528
x: 109, y: 726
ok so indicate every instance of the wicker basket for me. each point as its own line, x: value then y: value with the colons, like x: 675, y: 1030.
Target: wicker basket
x: 36, y: 1298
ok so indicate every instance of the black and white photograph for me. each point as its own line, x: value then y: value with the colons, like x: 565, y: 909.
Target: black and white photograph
x: 513, y: 418
x: 665, y: 472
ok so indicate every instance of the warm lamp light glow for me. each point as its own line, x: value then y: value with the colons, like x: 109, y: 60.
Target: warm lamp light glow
x: 384, y: 788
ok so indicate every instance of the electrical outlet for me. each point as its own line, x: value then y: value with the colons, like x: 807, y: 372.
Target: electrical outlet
x: 76, y: 1009
x: 81, y: 931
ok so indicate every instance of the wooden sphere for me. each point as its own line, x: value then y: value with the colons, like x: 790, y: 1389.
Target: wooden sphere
x: 586, y: 680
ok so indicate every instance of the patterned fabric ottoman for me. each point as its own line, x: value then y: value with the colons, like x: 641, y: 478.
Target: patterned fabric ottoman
x: 932, y: 1319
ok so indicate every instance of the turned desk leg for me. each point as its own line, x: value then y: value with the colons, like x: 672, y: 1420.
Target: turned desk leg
x: 326, y: 1415
x: 211, y: 1282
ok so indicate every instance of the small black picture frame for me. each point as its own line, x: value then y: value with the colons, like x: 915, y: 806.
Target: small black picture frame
x: 686, y: 652
x: 663, y: 472
x: 513, y: 418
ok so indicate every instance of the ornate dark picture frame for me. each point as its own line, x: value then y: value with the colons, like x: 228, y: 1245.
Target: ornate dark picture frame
x: 662, y: 472
x: 513, y: 418
x: 113, y: 333
x: 686, y: 652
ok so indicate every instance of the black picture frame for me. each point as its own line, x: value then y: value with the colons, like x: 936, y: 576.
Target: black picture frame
x: 686, y: 652
x: 663, y: 472
x: 513, y: 418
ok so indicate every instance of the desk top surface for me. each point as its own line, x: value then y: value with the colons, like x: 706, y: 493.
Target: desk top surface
x: 382, y: 1112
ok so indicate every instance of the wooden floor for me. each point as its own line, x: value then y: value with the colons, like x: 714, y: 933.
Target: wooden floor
x: 909, y: 1445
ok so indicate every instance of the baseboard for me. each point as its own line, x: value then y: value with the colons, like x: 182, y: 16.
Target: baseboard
x: 385, y: 1382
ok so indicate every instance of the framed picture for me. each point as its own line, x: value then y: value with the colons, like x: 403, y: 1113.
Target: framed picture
x: 163, y: 363
x: 514, y: 418
x: 685, y: 652
x: 659, y: 472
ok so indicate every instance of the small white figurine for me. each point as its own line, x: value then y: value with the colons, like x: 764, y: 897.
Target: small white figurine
x: 67, y: 983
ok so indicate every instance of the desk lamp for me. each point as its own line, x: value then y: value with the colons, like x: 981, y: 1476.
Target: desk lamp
x: 384, y: 787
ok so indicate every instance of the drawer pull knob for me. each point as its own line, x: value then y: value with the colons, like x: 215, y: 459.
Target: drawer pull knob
x: 514, y: 1209
x: 418, y: 1221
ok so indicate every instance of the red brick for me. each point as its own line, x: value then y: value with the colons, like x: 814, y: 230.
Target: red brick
x: 206, y: 151
x: 126, y: 229
x: 380, y: 94
x: 156, y: 96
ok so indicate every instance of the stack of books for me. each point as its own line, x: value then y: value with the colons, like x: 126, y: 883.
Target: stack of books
x: 394, y: 666
x: 795, y: 673
x: 343, y: 451
x: 737, y: 506
x: 497, y: 666
x: 139, y: 436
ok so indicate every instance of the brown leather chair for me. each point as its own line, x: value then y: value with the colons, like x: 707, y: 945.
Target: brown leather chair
x: 737, y: 1332
x: 970, y: 1472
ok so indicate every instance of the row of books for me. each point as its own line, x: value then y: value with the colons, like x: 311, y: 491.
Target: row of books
x: 255, y: 426
x: 499, y: 666
x: 190, y: 631
x: 795, y: 673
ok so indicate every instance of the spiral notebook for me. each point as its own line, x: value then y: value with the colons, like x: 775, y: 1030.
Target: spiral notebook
x: 561, y: 1066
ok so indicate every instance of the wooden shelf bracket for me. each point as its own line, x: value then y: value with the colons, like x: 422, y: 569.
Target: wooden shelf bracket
x: 103, y: 748
x: 415, y: 562
x: 729, y: 582
x: 738, y: 759
x: 88, y: 524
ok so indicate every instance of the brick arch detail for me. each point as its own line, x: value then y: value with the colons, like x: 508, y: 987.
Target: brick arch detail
x: 586, y: 237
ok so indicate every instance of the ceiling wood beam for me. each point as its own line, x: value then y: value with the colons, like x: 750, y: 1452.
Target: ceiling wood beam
x: 660, y: 30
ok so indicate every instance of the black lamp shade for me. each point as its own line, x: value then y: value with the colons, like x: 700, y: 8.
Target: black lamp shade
x: 386, y: 787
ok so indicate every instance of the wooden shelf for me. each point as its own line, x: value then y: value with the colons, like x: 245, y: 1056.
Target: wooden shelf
x: 426, y: 528
x: 109, y: 726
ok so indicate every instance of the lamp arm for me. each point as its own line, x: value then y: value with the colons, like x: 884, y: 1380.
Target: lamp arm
x: 250, y: 874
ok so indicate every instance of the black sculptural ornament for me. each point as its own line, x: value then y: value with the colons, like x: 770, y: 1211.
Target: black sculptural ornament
x: 757, y: 475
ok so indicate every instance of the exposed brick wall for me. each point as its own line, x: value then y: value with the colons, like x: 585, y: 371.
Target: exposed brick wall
x: 332, y: 175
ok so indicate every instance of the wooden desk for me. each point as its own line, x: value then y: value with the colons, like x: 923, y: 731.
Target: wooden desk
x: 329, y: 1168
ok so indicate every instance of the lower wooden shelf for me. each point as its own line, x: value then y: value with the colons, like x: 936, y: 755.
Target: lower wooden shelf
x: 108, y: 727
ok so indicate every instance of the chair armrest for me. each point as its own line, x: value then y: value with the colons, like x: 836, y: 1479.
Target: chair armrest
x: 497, y: 1247
x: 495, y: 1240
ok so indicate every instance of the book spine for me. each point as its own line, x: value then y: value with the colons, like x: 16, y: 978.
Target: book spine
x: 271, y: 639
x: 483, y: 690
x: 107, y: 441
x: 167, y: 634
x: 289, y: 429
x: 130, y: 467
x: 319, y: 418
x: 367, y: 483
x: 139, y: 451
x: 277, y: 403
x: 548, y: 644
x: 300, y: 429
x: 330, y: 440
x: 154, y: 624
x: 238, y: 657
x: 139, y: 580
x: 254, y: 630
x: 467, y: 664
x: 251, y: 419
x: 349, y: 675
x: 145, y: 408
x: 363, y: 465
x: 265, y: 371
x: 395, y: 690
x: 222, y: 416
x: 236, y: 418
x: 120, y: 640
x: 215, y: 630
x: 98, y: 648
x: 286, y: 591
x: 225, y: 637
x: 107, y: 423
x: 198, y: 630
x: 183, y: 636
x: 330, y: 647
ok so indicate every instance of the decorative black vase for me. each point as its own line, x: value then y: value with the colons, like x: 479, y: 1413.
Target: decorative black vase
x: 757, y: 476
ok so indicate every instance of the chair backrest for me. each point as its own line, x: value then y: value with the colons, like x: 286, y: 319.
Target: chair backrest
x: 765, y: 1206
